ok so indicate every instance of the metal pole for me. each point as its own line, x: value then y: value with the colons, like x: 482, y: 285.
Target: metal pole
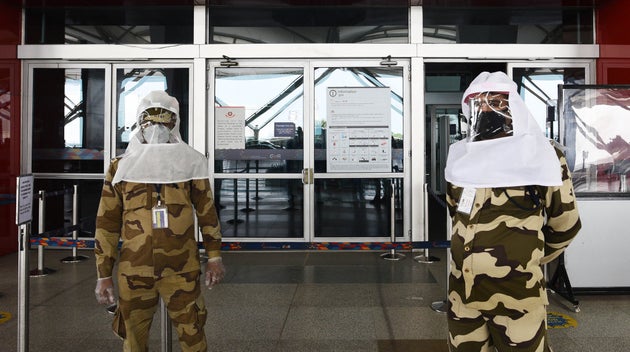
x: 41, y: 271
x: 442, y: 306
x: 23, y: 286
x: 165, y: 328
x: 392, y: 255
x: 74, y: 258
x: 425, y: 258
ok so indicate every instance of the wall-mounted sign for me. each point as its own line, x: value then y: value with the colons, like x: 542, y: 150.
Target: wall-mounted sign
x: 358, y: 136
x: 229, y: 127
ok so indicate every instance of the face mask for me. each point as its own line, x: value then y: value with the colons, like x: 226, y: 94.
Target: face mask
x: 490, y: 125
x: 490, y: 116
x: 156, y: 133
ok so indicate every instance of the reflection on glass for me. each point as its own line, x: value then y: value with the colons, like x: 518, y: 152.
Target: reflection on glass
x: 357, y: 207
x: 6, y: 169
x: 68, y: 112
x: 390, y: 77
x: 299, y: 23
x: 59, y: 207
x: 133, y: 84
x: 260, y: 208
x: 596, y: 122
x: 566, y: 25
x: 271, y: 138
x: 538, y: 87
x: 109, y: 24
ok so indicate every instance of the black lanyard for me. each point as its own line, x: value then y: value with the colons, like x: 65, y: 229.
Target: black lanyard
x: 158, y: 189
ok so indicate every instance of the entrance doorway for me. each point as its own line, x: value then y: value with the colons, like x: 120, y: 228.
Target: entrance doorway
x: 445, y: 83
x: 311, y: 151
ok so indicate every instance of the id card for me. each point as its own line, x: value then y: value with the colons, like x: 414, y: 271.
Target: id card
x: 160, y: 216
x: 466, y: 201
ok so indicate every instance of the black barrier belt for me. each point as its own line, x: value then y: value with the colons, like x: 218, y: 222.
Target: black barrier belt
x: 437, y: 198
x: 56, y: 193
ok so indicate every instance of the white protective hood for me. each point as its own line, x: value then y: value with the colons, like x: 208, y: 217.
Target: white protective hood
x: 161, y: 163
x: 525, y: 158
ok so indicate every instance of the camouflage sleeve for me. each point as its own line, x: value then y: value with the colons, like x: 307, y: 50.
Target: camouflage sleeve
x: 108, y: 225
x: 563, y: 219
x: 203, y: 200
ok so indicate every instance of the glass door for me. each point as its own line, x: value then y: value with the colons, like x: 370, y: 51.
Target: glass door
x: 360, y: 167
x: 309, y: 151
x: 257, y: 138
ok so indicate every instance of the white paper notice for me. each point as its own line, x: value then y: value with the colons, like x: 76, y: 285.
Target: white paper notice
x: 358, y: 136
x: 229, y: 127
x: 24, y: 199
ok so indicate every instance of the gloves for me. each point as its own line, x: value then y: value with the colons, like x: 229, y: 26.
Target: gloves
x: 105, y: 291
x: 215, y: 271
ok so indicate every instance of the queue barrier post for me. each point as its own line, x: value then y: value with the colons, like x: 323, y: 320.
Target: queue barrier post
x: 392, y: 255
x: 41, y: 271
x: 74, y: 258
x: 166, y: 329
x: 426, y: 258
x: 442, y: 306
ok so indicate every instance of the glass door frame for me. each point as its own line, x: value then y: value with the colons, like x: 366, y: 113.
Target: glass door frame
x: 407, y: 133
x: 212, y: 65
x: 27, y: 118
x: 309, y: 67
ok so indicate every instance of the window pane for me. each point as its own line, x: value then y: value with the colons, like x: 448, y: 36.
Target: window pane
x: 357, y: 207
x: 133, y: 84
x: 508, y: 25
x: 68, y: 120
x: 59, y: 207
x: 259, y: 120
x: 596, y: 122
x: 260, y: 208
x: 538, y: 87
x: 308, y: 24
x: 109, y: 25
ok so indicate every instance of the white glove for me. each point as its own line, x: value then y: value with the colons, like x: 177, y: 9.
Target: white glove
x: 105, y: 291
x: 215, y: 271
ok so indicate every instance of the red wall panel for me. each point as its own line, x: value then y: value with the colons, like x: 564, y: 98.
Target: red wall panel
x: 10, y: 27
x: 613, y: 66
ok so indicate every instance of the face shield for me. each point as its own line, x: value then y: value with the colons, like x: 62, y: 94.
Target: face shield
x: 490, y: 116
x: 156, y: 125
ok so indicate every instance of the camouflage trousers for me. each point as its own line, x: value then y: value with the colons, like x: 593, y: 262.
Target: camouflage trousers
x: 472, y: 330
x: 138, y: 301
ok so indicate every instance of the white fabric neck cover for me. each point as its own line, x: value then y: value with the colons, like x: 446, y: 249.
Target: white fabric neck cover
x: 526, y: 158
x: 160, y: 163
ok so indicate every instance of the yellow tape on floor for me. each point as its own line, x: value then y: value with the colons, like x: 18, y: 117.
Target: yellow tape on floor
x: 557, y: 320
x: 4, y: 317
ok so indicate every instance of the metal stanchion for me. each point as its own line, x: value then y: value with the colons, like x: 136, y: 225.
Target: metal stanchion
x: 442, y: 306
x: 236, y: 220
x: 41, y: 270
x: 23, y: 288
x: 74, y: 258
x: 392, y: 255
x: 166, y: 329
x: 426, y: 258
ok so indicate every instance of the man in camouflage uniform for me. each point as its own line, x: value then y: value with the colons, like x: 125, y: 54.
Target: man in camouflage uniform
x: 150, y: 198
x: 513, y: 209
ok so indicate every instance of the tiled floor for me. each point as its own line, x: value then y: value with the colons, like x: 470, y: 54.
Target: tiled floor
x: 290, y: 301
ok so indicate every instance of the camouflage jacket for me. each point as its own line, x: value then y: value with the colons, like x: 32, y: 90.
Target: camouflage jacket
x: 125, y: 212
x: 497, y: 250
